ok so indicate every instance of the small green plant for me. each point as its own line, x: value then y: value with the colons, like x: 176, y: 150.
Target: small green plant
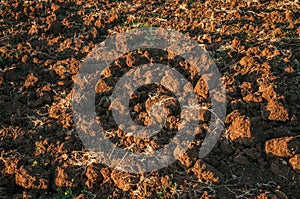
x: 64, y: 194
x: 2, y: 61
x: 160, y: 194
x: 291, y: 36
x: 174, y: 189
x: 137, y: 24
x: 35, y: 163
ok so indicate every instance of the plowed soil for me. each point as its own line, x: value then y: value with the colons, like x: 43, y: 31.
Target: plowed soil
x: 255, y: 45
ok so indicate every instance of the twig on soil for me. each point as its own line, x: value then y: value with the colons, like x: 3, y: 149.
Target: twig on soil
x: 1, y: 157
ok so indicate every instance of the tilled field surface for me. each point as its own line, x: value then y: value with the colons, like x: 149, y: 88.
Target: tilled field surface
x: 256, y: 47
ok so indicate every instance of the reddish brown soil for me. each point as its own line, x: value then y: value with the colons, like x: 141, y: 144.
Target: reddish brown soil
x: 256, y: 47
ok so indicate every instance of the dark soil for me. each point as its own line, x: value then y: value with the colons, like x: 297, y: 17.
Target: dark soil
x: 256, y: 47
